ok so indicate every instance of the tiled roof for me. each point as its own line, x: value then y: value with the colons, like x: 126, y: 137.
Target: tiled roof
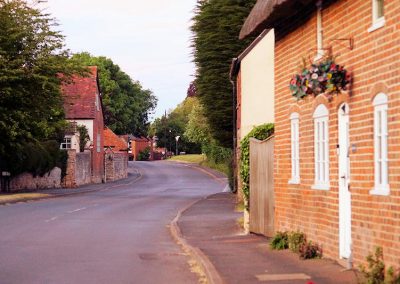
x: 80, y: 96
x: 114, y: 141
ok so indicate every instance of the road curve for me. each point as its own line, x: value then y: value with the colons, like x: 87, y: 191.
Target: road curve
x: 114, y: 235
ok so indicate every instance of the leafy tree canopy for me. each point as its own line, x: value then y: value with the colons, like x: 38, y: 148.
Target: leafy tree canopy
x: 174, y: 124
x: 216, y: 27
x: 32, y: 55
x: 126, y: 104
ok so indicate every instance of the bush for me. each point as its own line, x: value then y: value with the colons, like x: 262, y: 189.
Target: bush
x: 144, y: 155
x: 309, y: 250
x: 83, y: 137
x: 296, y: 240
x: 261, y: 132
x: 375, y: 273
x: 280, y: 241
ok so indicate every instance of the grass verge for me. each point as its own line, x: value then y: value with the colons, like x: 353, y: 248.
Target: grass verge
x: 7, y: 198
x: 202, y: 161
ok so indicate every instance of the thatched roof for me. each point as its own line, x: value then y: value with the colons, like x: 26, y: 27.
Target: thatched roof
x: 267, y: 12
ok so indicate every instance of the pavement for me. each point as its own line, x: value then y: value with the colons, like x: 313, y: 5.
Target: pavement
x: 210, y: 231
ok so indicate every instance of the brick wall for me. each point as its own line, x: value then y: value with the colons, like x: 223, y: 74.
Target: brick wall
x: 374, y: 63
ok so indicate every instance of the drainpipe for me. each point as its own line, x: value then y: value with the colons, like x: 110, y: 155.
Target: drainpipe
x: 233, y: 80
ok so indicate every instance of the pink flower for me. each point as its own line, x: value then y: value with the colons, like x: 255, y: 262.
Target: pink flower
x: 314, y: 76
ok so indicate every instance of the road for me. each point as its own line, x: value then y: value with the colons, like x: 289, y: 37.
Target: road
x: 114, y: 235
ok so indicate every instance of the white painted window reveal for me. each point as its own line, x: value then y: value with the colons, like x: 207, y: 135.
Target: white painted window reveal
x: 295, y: 153
x: 380, y: 104
x: 378, y: 15
x: 321, y: 148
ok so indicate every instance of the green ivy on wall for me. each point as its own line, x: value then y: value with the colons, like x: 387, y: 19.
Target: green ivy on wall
x: 261, y: 132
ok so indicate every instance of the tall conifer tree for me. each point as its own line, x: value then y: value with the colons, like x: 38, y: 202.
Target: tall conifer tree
x: 216, y: 27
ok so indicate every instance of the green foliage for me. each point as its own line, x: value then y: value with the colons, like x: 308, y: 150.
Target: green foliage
x: 144, y: 155
x: 310, y: 250
x: 279, y: 241
x: 296, y: 240
x: 83, y: 137
x: 32, y: 57
x: 216, y: 26
x: 126, y: 104
x: 375, y: 272
x: 175, y: 124
x: 261, y: 132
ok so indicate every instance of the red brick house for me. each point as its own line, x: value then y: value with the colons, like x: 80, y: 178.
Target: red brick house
x: 337, y: 158
x: 138, y: 144
x: 83, y: 106
x: 113, y: 141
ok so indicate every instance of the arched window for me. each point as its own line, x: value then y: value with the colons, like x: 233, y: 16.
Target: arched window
x: 380, y: 104
x: 294, y: 141
x: 321, y: 147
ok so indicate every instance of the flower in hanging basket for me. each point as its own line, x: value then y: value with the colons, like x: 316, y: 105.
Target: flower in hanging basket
x: 324, y: 77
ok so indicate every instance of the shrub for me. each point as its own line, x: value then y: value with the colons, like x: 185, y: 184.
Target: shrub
x: 309, y: 250
x: 296, y: 240
x: 280, y: 241
x: 375, y: 272
x: 144, y: 155
x: 83, y: 137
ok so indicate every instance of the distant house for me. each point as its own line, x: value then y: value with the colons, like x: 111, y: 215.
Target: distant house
x: 336, y: 166
x: 138, y: 144
x: 83, y: 106
x: 114, y: 142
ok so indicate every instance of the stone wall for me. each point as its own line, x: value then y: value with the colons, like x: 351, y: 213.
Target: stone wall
x: 27, y: 181
x: 116, y: 166
x: 78, y: 169
x: 82, y: 168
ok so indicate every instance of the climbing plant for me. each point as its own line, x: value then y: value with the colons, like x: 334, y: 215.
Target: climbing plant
x: 261, y: 132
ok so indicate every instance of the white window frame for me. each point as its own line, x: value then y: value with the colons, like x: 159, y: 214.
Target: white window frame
x: 65, y: 143
x: 381, y: 172
x: 295, y: 148
x: 377, y: 22
x: 321, y: 148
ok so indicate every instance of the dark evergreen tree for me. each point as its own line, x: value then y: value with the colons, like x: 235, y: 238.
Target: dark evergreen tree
x: 216, y: 28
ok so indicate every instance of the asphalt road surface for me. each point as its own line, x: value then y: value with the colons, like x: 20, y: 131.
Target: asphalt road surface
x: 115, y: 235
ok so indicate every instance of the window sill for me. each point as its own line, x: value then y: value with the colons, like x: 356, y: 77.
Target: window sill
x: 382, y: 190
x: 377, y: 25
x: 294, y: 181
x: 320, y: 186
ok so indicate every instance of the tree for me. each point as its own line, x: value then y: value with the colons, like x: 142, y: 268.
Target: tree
x: 32, y: 57
x: 174, y: 124
x: 126, y: 104
x: 216, y: 27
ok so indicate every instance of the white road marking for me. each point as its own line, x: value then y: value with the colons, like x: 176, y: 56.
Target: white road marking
x: 76, y: 210
x: 51, y: 219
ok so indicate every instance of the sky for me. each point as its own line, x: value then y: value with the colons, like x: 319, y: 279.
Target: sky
x: 149, y: 39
